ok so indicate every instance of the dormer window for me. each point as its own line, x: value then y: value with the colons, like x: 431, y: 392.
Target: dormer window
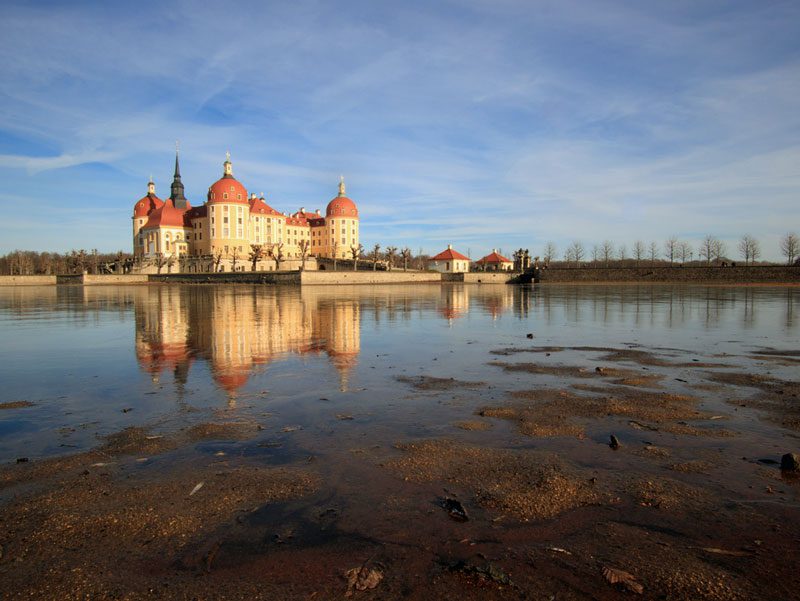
x: 238, y: 197
x: 224, y: 196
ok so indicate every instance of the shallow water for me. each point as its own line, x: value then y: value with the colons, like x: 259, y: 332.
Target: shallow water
x: 326, y: 426
x: 93, y: 360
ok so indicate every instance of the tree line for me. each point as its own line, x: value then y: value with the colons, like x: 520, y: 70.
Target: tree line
x: 710, y: 251
x: 29, y: 262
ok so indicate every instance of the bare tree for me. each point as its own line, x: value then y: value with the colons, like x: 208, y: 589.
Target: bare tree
x: 719, y: 250
x: 652, y: 252
x: 305, y: 247
x: 355, y: 253
x: 685, y: 251
x: 607, y: 251
x: 256, y: 252
x: 276, y: 252
x: 622, y: 253
x: 671, y: 248
x: 217, y: 259
x: 376, y: 253
x: 707, y: 249
x: 749, y: 248
x: 234, y: 257
x: 549, y: 252
x: 596, y: 253
x: 391, y: 251
x: 160, y: 260
x: 406, y: 255
x: 638, y: 251
x: 790, y: 246
x: 335, y: 252
x: 577, y: 252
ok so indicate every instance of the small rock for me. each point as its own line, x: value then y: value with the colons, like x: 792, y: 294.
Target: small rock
x: 529, y: 335
x: 455, y: 509
x: 599, y: 370
x: 127, y: 409
x: 613, y: 442
x: 789, y: 462
x: 22, y: 460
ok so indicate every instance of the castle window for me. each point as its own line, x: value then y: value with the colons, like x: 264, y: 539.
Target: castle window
x: 225, y: 197
x: 233, y: 188
x: 238, y: 197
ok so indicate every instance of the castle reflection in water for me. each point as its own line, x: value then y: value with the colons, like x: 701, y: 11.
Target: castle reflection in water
x: 239, y: 331
x: 232, y: 333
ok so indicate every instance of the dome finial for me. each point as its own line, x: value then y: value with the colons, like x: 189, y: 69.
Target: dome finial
x: 228, y: 165
x: 341, y: 185
x: 151, y: 186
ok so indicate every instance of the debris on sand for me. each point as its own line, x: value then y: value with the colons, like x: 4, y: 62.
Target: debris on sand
x: 613, y: 442
x: 196, y: 488
x: 526, y: 484
x: 790, y: 462
x: 454, y: 509
x: 623, y: 578
x: 362, y: 578
x: 485, y: 572
x: 431, y: 383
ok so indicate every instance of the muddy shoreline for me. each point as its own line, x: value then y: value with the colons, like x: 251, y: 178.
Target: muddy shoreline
x: 690, y: 503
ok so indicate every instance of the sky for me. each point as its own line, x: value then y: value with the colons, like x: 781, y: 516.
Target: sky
x: 481, y: 124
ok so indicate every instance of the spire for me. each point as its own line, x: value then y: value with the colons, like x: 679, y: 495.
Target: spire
x: 228, y: 166
x: 176, y: 190
x: 341, y: 185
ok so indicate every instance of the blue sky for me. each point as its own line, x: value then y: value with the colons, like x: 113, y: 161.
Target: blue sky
x: 485, y: 124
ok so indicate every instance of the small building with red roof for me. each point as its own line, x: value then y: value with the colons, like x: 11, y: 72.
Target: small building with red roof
x: 495, y: 262
x: 449, y: 261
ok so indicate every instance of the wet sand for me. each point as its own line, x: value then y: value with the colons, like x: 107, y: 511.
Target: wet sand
x: 690, y: 504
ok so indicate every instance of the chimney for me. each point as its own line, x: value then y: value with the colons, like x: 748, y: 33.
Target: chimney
x: 319, y: 212
x: 302, y: 209
x: 449, y: 247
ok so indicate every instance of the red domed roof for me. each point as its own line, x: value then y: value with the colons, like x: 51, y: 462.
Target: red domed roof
x: 146, y: 205
x: 227, y: 189
x: 341, y: 206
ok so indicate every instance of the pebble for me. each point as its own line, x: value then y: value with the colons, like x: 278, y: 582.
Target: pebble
x: 790, y: 462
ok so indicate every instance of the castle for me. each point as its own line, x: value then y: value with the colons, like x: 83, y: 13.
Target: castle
x: 232, y: 230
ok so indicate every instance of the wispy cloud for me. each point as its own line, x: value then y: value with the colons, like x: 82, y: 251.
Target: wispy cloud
x: 483, y: 123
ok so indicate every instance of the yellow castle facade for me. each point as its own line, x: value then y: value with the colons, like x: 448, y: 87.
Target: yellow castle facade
x: 232, y: 225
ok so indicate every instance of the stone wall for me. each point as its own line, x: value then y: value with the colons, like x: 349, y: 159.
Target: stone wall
x: 367, y: 277
x: 91, y: 280
x: 722, y: 275
x: 27, y: 280
x: 480, y: 277
x: 234, y: 277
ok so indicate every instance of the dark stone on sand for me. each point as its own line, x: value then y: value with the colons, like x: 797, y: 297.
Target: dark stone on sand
x: 613, y: 442
x: 790, y: 462
x: 455, y: 509
x: 22, y: 460
x: 530, y: 335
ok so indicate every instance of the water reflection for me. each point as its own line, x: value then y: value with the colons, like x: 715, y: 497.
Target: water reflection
x: 239, y: 331
x: 236, y: 332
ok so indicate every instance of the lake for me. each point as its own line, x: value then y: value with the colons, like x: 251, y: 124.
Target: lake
x: 357, y: 422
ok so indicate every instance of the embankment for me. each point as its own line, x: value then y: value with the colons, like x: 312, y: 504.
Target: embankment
x: 774, y: 274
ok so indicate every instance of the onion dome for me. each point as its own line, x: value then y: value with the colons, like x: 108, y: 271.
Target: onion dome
x: 341, y: 206
x: 149, y: 203
x: 227, y: 188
